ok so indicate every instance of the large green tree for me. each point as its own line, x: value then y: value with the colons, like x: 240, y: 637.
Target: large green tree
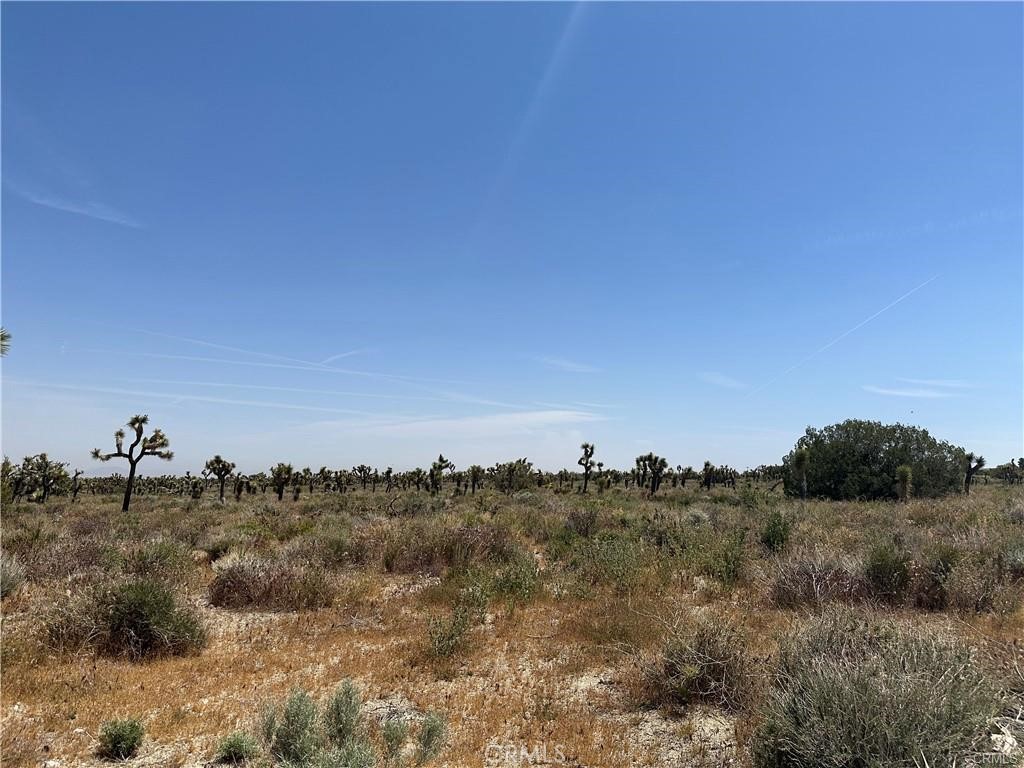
x: 859, y: 459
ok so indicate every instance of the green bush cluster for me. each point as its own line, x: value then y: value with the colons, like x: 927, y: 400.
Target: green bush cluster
x: 120, y: 739
x: 137, y: 619
x: 849, y: 690
x: 299, y: 734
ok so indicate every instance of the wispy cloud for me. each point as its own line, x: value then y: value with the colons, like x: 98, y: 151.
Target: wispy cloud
x: 488, y: 425
x: 91, y: 208
x: 720, y: 380
x: 945, y: 383
x: 843, y: 335
x: 569, y: 366
x: 919, y: 393
x: 178, y: 397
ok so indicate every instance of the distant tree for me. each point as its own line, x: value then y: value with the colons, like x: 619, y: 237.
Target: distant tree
x: 857, y: 459
x: 363, y: 472
x: 154, y: 445
x: 76, y: 485
x: 437, y: 470
x: 280, y: 478
x: 974, y: 463
x: 656, y: 465
x: 220, y: 468
x: 587, y: 462
x: 512, y: 476
x: 476, y: 476
x: 904, y: 482
x: 800, y: 460
x: 707, y: 475
x: 5, y: 342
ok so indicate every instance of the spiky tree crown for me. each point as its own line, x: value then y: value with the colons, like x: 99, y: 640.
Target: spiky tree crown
x: 155, y: 444
x: 220, y: 467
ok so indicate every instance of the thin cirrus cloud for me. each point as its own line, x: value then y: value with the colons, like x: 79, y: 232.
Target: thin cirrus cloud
x: 918, y: 392
x: 568, y: 366
x: 720, y: 380
x: 945, y: 383
x: 488, y: 425
x: 91, y: 208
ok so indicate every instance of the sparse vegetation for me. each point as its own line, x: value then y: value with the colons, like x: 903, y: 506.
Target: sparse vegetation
x: 852, y: 689
x: 531, y: 593
x: 120, y: 739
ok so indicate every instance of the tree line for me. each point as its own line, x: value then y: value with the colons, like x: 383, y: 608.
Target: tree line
x: 852, y: 460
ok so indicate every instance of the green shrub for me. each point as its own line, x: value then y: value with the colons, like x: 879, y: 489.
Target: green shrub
x: 12, y: 575
x: 775, y: 530
x: 887, y: 571
x: 354, y: 754
x: 289, y: 730
x: 271, y: 585
x: 343, y: 715
x: 236, y: 749
x: 850, y: 691
x: 518, y: 581
x: 431, y: 738
x: 931, y: 571
x: 858, y: 460
x: 582, y: 522
x: 394, y: 732
x: 611, y: 559
x: 161, y: 559
x: 706, y: 662
x: 722, y: 556
x: 120, y: 739
x: 144, y: 620
x: 448, y: 637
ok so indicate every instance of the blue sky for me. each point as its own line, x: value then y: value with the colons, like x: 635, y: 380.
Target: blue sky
x: 342, y: 233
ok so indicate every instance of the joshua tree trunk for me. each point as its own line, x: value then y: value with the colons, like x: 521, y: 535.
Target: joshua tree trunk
x: 128, y: 488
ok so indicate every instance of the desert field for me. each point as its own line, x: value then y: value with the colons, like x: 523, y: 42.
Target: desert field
x: 701, y: 627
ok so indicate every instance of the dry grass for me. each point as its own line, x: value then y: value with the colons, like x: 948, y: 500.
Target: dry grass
x: 539, y: 671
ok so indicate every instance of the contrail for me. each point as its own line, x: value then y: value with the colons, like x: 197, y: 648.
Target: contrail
x: 843, y: 335
x: 529, y: 119
x: 177, y: 397
x: 226, y: 348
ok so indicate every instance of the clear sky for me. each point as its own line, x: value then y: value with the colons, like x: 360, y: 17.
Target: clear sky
x: 342, y: 233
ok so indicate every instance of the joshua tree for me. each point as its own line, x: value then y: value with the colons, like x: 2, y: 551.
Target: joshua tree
x: 973, y: 465
x: 363, y: 472
x: 280, y: 476
x: 587, y: 462
x: 418, y: 477
x: 76, y: 485
x: 220, y: 468
x: 476, y: 476
x: 800, y: 460
x: 437, y: 472
x: 904, y: 482
x: 241, y: 483
x: 656, y: 465
x: 154, y: 445
x: 5, y: 342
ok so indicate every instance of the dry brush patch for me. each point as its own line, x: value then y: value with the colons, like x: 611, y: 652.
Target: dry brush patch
x: 553, y: 587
